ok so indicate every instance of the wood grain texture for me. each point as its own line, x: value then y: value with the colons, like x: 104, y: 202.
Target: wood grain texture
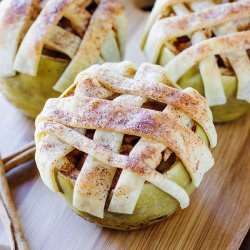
x: 217, y: 218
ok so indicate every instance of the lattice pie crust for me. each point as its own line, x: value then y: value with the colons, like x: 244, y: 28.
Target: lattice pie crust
x: 110, y: 99
x: 184, y: 33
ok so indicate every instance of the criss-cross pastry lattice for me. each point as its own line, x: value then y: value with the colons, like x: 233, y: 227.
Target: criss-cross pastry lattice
x: 183, y: 33
x: 111, y: 99
x: 79, y: 30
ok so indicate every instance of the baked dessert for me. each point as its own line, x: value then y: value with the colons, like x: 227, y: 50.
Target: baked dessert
x: 203, y: 44
x: 46, y: 43
x: 123, y: 148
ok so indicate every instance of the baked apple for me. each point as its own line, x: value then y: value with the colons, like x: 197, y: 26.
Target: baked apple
x: 122, y: 148
x: 203, y: 44
x: 44, y: 44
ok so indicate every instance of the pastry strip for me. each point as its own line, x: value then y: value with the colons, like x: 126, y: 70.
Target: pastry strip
x: 213, y: 46
x: 33, y: 42
x: 78, y: 15
x: 120, y: 27
x: 211, y: 77
x: 156, y: 14
x: 100, y: 25
x: 12, y: 24
x: 63, y: 41
x: 110, y: 51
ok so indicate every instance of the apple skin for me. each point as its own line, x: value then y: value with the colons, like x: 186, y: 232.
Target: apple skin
x: 153, y: 204
x: 29, y: 93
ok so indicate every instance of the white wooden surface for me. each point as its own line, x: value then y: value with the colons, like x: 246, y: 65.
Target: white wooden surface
x: 49, y: 223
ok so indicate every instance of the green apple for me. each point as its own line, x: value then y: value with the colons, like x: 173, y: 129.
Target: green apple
x: 29, y: 93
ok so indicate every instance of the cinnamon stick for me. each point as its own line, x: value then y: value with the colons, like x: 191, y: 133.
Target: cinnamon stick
x: 20, y: 151
x: 7, y: 225
x: 9, y: 215
x: 21, y: 156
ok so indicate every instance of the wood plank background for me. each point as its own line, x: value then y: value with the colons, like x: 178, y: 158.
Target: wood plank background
x: 217, y: 218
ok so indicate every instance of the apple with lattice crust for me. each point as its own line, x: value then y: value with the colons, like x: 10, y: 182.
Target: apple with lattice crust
x: 204, y: 44
x: 44, y: 44
x: 123, y: 147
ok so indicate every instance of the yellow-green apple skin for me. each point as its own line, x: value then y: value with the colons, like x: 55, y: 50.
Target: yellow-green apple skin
x: 29, y: 93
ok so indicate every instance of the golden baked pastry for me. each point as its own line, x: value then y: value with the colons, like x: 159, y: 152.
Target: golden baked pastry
x: 123, y: 148
x: 203, y: 44
x: 44, y: 44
